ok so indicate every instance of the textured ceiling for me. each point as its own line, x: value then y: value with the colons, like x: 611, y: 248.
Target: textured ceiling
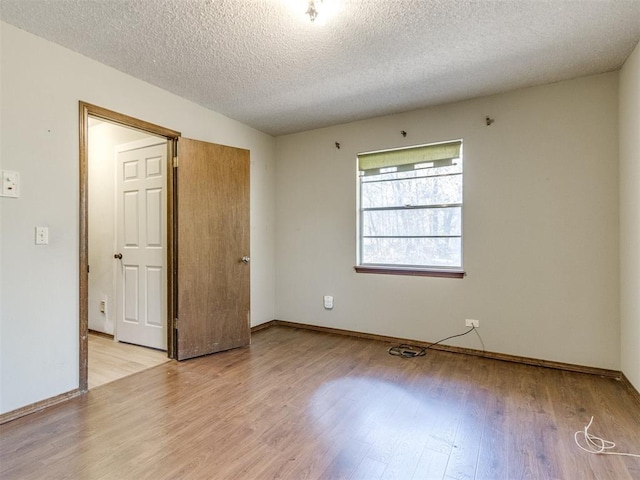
x: 263, y: 63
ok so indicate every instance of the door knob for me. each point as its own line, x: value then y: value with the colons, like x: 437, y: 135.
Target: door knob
x: 246, y: 259
x: 118, y: 256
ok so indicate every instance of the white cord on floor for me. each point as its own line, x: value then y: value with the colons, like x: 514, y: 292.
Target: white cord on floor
x: 598, y: 445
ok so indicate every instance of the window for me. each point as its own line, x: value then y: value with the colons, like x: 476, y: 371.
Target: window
x: 410, y: 211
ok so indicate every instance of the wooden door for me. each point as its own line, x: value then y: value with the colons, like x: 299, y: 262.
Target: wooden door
x: 141, y: 220
x: 212, y: 240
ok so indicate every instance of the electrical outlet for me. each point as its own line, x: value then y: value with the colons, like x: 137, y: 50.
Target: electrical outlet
x: 103, y: 306
x: 472, y: 323
x: 327, y: 301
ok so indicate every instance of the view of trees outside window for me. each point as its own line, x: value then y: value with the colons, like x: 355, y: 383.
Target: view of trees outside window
x: 411, y: 215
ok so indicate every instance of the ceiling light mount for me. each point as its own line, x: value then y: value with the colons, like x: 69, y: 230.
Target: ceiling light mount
x: 312, y: 11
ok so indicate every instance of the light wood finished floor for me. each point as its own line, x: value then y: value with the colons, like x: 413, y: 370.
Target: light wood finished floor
x: 110, y: 360
x: 308, y: 405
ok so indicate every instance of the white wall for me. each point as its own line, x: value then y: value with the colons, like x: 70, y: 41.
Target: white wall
x: 103, y: 138
x: 540, y: 226
x: 630, y: 217
x: 41, y: 84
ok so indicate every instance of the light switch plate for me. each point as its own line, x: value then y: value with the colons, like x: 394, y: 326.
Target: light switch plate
x: 42, y: 235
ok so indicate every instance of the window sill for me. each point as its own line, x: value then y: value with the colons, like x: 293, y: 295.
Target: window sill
x: 419, y: 272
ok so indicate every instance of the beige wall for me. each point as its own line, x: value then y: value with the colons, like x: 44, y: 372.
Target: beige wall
x: 41, y: 84
x: 540, y: 226
x: 630, y: 217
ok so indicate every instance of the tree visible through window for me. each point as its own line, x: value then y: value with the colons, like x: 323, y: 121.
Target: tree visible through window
x: 410, y: 212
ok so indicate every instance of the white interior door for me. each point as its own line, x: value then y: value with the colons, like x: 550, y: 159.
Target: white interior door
x: 141, y: 220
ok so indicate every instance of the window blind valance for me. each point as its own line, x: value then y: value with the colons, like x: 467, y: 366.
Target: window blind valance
x: 409, y: 156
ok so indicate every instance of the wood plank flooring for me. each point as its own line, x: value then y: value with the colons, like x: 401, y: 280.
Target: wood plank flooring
x: 110, y: 360
x: 299, y: 405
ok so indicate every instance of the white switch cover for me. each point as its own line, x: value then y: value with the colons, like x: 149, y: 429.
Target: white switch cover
x: 42, y: 235
x: 328, y: 302
x: 10, y: 184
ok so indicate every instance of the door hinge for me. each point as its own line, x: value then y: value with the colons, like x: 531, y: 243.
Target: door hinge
x: 175, y: 323
x: 175, y: 162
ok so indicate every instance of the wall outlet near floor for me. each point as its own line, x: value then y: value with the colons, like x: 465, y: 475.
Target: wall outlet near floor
x: 327, y: 301
x: 104, y: 304
x: 472, y: 323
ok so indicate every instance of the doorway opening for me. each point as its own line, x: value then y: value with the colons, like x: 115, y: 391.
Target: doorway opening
x: 127, y: 215
x: 126, y: 205
x: 211, y: 274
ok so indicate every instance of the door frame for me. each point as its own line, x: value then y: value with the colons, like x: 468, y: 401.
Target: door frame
x: 172, y: 136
